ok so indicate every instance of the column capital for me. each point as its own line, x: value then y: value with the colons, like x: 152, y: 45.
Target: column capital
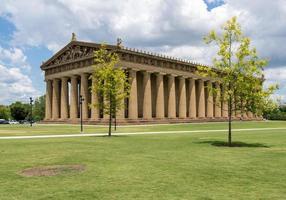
x: 74, y: 76
x: 159, y: 73
x: 57, y: 79
x: 171, y: 75
x: 146, y: 72
x: 182, y: 77
x: 132, y: 72
x: 192, y: 78
x: 132, y: 69
x: 64, y: 78
x: 84, y: 74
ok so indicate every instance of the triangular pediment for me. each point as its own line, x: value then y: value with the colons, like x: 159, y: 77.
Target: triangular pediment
x: 73, y: 51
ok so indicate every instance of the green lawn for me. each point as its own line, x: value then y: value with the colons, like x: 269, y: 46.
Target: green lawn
x: 159, y: 166
x: 41, y: 129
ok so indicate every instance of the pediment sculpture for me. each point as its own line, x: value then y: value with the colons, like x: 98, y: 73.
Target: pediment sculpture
x: 73, y: 53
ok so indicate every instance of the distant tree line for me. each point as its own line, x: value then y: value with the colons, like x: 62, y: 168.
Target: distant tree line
x: 276, y: 114
x: 22, y: 111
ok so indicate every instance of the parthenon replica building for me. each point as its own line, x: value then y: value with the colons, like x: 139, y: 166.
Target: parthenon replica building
x: 163, y: 89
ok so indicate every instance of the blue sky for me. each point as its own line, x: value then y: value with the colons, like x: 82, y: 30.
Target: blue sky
x: 172, y: 27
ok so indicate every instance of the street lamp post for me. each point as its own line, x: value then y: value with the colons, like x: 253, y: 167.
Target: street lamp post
x: 81, y: 99
x: 31, y: 114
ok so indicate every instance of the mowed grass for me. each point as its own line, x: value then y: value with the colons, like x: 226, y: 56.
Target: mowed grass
x: 43, y: 129
x: 159, y: 166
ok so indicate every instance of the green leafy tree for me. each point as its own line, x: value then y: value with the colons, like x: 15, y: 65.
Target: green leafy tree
x: 4, y: 112
x: 19, y: 111
x: 39, y: 108
x: 282, y: 108
x: 239, y: 70
x: 110, y: 81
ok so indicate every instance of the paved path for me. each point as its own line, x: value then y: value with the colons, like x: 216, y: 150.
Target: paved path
x: 167, y: 124
x: 132, y: 133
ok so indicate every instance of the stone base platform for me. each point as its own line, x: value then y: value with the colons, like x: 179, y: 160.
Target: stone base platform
x: 143, y: 121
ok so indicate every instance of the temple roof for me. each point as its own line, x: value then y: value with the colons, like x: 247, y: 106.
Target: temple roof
x: 80, y: 50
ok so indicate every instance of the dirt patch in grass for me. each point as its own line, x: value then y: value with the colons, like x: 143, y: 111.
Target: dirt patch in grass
x: 52, y: 170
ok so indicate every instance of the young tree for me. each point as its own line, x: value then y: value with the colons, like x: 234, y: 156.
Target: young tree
x: 39, y: 108
x: 110, y: 81
x: 239, y: 70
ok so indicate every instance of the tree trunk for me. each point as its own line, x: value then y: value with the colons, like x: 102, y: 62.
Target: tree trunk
x: 230, y: 99
x: 115, y: 109
x: 110, y: 115
x: 115, y: 122
x: 229, y: 122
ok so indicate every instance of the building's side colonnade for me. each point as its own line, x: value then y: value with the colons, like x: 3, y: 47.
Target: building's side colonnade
x: 154, y: 96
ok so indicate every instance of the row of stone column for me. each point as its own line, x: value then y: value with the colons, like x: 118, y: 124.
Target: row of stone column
x: 159, y: 97
x: 197, y: 104
x: 63, y: 103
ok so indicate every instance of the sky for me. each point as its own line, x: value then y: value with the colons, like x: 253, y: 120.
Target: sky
x: 31, y: 31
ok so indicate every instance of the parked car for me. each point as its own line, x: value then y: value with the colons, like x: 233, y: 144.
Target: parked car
x: 3, y: 121
x: 13, y: 122
x: 26, y: 122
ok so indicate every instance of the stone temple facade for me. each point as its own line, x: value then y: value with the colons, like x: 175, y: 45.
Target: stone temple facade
x: 163, y: 89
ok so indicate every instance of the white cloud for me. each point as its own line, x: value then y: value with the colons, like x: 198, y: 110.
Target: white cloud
x: 146, y: 23
x: 277, y: 76
x: 214, y: 1
x: 139, y: 23
x: 14, y: 85
x: 15, y: 57
x: 173, y: 27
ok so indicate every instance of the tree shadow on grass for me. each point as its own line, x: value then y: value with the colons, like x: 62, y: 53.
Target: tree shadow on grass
x: 112, y: 136
x: 234, y: 144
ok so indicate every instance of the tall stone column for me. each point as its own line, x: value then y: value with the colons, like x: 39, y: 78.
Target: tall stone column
x: 64, y: 98
x: 237, y: 108
x: 192, y: 99
x: 132, y: 103
x: 94, y: 103
x: 243, y: 113
x: 105, y: 115
x: 201, y: 99
x: 217, y: 103
x: 209, y: 100
x: 232, y: 107
x: 121, y: 113
x: 224, y: 106
x: 250, y: 115
x: 84, y: 94
x: 160, y: 112
x: 182, y: 98
x: 74, y: 98
x: 48, y: 113
x: 56, y: 99
x: 147, y: 101
x: 171, y: 97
